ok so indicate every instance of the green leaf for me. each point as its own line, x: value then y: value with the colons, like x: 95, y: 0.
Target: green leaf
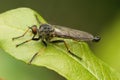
x: 55, y: 56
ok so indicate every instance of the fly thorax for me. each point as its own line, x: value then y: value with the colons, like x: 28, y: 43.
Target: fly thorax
x: 46, y: 31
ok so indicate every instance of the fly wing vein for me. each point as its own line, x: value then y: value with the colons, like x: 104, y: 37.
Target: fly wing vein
x: 69, y: 33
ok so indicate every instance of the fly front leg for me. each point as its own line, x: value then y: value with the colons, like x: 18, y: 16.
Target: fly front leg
x: 33, y: 38
x: 62, y: 41
x: 21, y: 35
x: 34, y: 31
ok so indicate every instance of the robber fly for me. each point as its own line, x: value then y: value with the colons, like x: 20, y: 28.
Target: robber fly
x: 47, y: 31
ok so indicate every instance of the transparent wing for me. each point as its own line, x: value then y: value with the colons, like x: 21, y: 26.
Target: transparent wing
x: 69, y: 33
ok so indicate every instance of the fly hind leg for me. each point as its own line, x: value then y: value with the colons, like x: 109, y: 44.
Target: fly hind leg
x: 62, y: 41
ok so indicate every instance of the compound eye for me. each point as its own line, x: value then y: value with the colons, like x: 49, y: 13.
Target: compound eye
x: 34, y: 29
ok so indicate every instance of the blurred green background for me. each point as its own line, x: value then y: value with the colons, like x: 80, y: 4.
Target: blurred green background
x: 99, y: 17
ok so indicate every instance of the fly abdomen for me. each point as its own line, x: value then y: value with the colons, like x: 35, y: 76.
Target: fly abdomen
x: 78, y: 35
x: 96, y: 39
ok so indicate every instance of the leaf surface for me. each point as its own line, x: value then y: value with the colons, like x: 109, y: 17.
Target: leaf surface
x: 15, y: 22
